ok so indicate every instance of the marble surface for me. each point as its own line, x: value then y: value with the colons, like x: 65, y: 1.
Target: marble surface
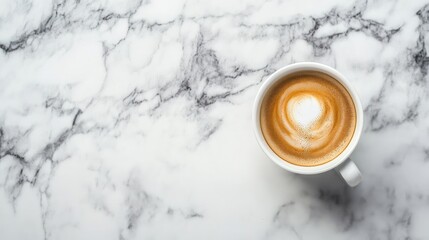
x: 132, y: 119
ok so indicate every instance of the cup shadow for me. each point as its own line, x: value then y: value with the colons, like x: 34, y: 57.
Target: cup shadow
x: 328, y: 180
x: 330, y: 191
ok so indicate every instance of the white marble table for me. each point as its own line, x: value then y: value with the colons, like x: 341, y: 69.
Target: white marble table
x: 132, y: 119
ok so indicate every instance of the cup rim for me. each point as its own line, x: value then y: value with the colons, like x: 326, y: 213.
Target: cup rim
x: 298, y: 67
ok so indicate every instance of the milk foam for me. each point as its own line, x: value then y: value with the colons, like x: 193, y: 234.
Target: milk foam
x: 306, y: 110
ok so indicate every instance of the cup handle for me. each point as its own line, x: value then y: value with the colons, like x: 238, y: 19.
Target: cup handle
x: 349, y: 172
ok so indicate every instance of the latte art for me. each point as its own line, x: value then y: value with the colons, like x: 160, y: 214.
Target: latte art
x: 308, y: 119
x: 304, y: 109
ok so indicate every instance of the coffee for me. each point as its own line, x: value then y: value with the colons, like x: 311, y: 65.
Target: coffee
x: 308, y: 118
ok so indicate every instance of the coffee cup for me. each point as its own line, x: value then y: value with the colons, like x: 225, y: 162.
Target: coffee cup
x: 341, y: 163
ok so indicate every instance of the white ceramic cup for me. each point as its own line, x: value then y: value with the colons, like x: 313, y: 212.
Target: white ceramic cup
x: 342, y: 164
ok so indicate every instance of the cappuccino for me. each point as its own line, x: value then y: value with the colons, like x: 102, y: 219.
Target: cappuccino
x: 308, y: 118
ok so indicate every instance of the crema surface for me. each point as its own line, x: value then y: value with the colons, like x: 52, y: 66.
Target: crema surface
x: 308, y: 119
